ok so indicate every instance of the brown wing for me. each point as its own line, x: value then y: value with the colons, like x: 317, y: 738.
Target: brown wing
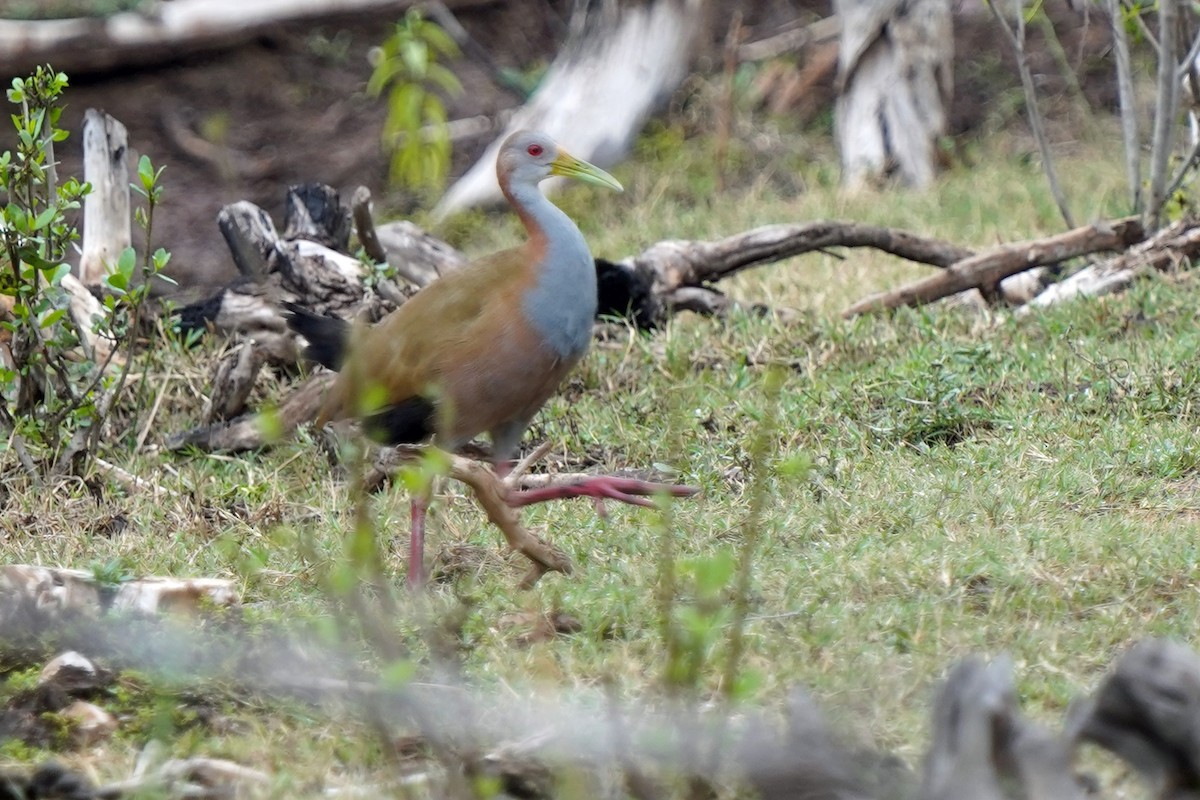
x: 438, y: 331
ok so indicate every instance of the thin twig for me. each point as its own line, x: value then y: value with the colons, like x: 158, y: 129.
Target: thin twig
x: 17, y: 442
x: 1187, y: 166
x: 129, y: 480
x: 162, y: 390
x: 529, y: 460
x: 1141, y: 23
x: 1189, y: 61
x: 1017, y: 39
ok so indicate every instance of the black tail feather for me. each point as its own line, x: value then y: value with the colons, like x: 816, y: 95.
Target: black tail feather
x: 327, y: 336
x: 409, y: 422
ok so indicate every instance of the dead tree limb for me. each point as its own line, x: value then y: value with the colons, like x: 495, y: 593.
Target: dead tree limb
x: 107, y: 225
x: 981, y: 743
x: 166, y: 33
x: 415, y: 255
x: 251, y: 431
x: 1146, y: 712
x: 612, y: 72
x: 987, y: 269
x: 684, y: 263
x: 46, y: 595
x: 1160, y: 252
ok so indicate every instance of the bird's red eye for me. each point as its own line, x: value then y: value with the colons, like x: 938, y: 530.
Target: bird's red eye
x: 535, y: 150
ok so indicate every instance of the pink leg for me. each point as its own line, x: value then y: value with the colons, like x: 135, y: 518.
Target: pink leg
x: 416, y: 545
x: 602, y: 487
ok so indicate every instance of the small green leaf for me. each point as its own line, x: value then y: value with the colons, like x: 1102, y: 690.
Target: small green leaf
x: 53, y: 317
x: 45, y: 218
x: 117, y: 281
x: 127, y: 262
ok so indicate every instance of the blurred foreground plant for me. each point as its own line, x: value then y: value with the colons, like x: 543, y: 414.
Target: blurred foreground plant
x: 415, y: 131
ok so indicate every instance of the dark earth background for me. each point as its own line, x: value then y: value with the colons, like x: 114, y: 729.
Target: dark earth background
x: 290, y: 107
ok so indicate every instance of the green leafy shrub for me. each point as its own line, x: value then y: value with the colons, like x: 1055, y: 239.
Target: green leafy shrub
x: 415, y: 131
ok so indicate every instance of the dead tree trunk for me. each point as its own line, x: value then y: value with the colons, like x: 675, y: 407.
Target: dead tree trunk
x: 620, y: 62
x: 894, y: 77
x: 106, y: 221
x: 165, y: 32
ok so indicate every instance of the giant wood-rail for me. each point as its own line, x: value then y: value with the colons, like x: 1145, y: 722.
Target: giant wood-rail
x: 482, y: 348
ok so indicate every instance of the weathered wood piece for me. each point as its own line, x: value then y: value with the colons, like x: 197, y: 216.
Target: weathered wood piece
x: 1162, y: 251
x: 251, y: 431
x: 326, y: 279
x: 251, y: 236
x: 1146, y: 711
x: 87, y: 313
x: 619, y: 63
x: 107, y: 224
x: 233, y: 380
x: 981, y: 744
x: 414, y: 254
x: 808, y: 762
x: 673, y: 268
x: 278, y: 269
x: 895, y: 79
x: 787, y: 41
x: 33, y: 597
x: 314, y: 212
x: 165, y: 33
x: 689, y: 263
x: 988, y: 268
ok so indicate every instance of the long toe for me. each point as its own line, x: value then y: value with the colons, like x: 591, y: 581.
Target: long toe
x: 602, y: 487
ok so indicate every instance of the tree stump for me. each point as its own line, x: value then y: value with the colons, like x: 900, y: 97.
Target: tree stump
x: 106, y: 222
x: 619, y: 63
x: 895, y: 78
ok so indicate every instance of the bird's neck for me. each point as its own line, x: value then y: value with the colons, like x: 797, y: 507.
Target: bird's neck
x: 561, y: 301
x: 548, y: 227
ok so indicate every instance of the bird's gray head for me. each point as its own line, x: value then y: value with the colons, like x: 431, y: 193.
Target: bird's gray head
x: 531, y: 156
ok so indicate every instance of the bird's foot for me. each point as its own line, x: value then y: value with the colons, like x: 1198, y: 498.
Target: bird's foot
x: 600, y: 488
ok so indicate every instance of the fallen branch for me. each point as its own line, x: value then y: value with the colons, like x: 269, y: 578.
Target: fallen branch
x: 166, y: 33
x: 1145, y: 712
x: 251, y: 431
x: 129, y: 480
x: 823, y: 30
x: 35, y: 596
x: 1160, y: 252
x: 989, y: 268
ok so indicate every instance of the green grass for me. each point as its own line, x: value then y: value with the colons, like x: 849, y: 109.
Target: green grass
x: 1027, y: 486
